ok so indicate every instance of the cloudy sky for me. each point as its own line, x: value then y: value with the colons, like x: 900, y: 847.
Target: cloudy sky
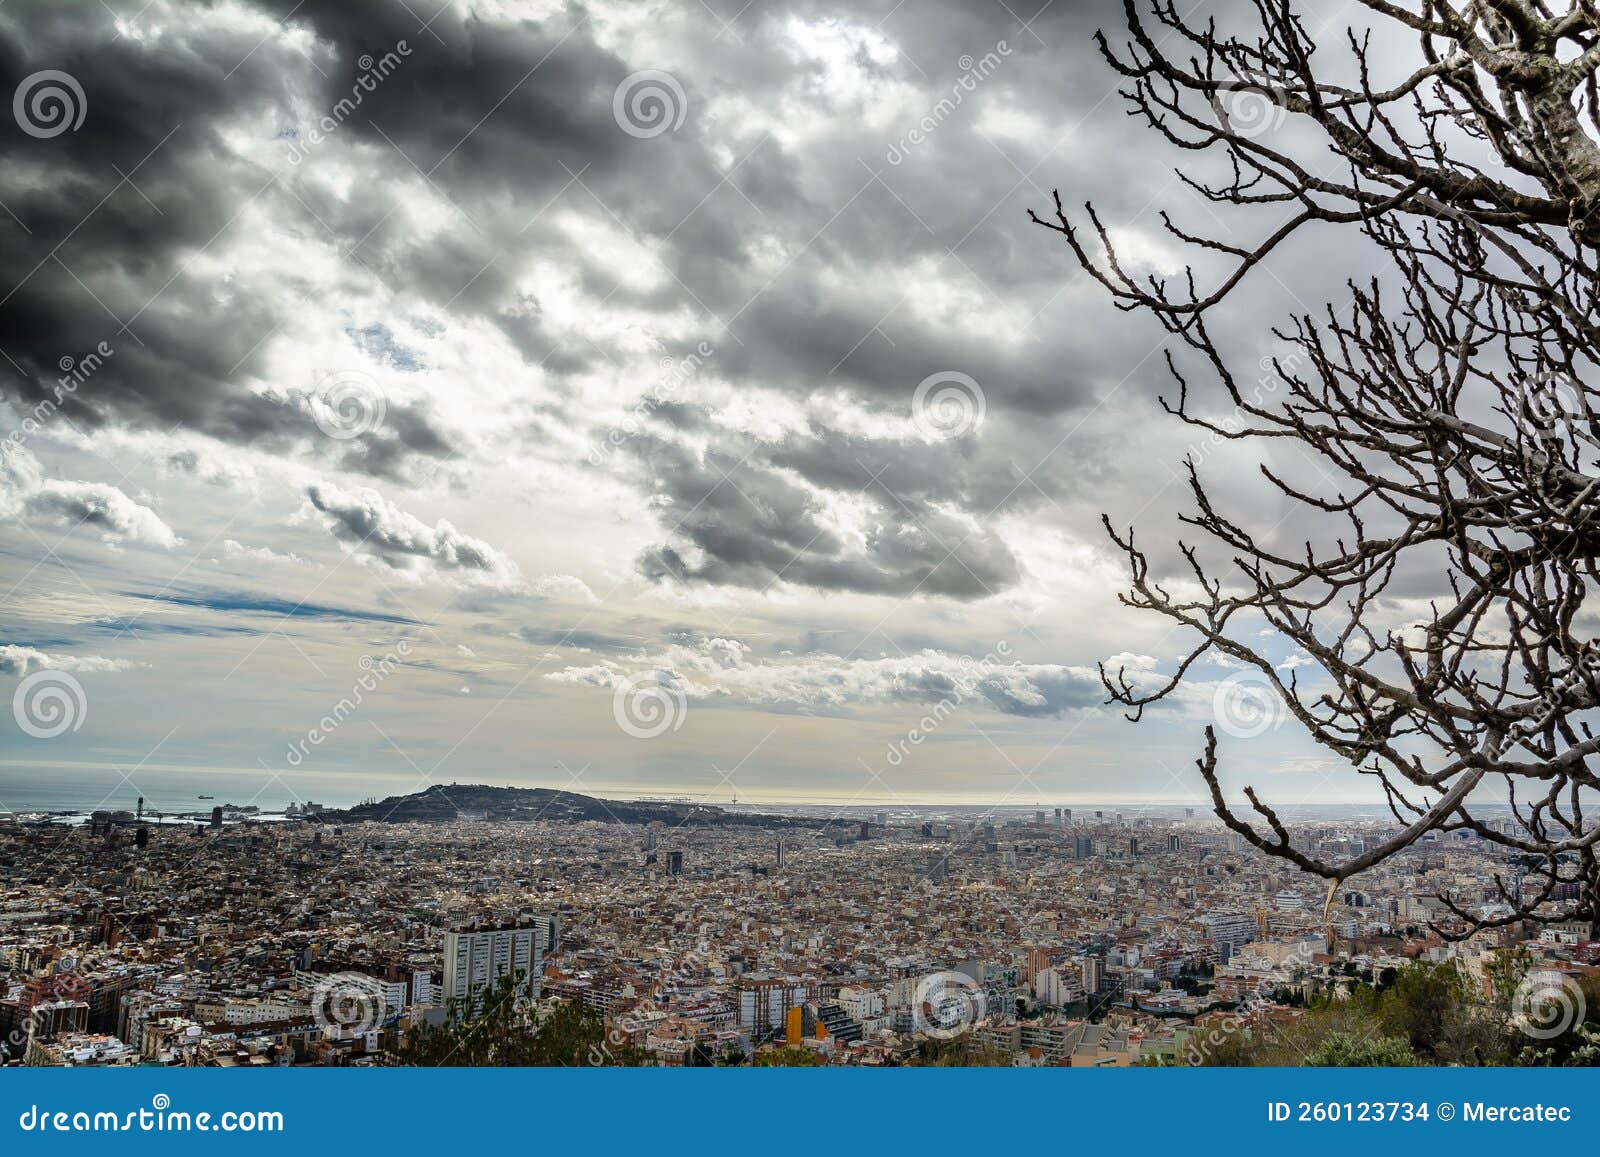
x: 633, y: 397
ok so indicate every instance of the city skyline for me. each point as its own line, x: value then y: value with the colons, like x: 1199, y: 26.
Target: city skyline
x: 687, y: 936
x: 569, y: 534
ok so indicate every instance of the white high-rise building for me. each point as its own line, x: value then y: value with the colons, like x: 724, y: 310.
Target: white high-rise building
x: 1231, y: 928
x: 476, y: 958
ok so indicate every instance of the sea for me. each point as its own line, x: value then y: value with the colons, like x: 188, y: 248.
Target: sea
x: 62, y: 790
x: 76, y: 790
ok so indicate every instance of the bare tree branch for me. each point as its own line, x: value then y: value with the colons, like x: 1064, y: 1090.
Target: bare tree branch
x: 1449, y: 405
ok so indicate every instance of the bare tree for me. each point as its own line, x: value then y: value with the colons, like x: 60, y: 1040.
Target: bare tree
x: 1449, y: 401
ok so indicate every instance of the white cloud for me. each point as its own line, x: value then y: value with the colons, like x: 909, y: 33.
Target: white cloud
x: 381, y: 530
x: 564, y: 587
x: 237, y: 551
x: 15, y: 660
x: 71, y: 504
x: 719, y: 668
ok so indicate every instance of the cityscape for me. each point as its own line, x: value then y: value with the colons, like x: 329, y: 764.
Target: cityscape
x: 1067, y: 937
x: 814, y: 535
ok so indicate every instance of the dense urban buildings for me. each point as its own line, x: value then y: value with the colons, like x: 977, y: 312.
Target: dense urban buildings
x: 1109, y: 938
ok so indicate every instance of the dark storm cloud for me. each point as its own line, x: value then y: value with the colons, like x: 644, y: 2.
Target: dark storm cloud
x: 78, y: 231
x: 830, y: 266
x: 104, y: 222
x: 501, y: 116
x: 1042, y: 692
x: 101, y: 248
x: 738, y: 518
